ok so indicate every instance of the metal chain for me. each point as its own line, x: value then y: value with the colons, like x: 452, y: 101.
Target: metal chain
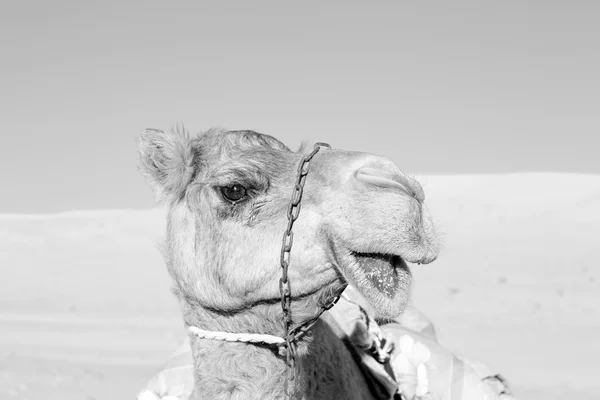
x: 292, y: 335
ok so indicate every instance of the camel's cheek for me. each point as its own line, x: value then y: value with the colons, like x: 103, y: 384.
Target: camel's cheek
x: 184, y: 255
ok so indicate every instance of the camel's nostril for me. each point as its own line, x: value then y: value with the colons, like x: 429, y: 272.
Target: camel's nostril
x: 391, y: 179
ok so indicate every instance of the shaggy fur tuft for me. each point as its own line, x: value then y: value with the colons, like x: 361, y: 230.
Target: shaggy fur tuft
x: 167, y: 160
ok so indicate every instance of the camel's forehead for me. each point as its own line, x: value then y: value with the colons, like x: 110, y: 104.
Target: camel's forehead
x: 218, y: 143
x: 221, y: 153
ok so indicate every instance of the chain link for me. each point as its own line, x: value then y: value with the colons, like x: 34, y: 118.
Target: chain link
x: 292, y: 335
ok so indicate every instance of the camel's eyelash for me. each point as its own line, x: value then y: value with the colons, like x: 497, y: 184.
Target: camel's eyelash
x: 256, y: 181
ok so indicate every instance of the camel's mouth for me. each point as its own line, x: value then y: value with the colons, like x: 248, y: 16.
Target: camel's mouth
x: 383, y: 279
x: 384, y: 271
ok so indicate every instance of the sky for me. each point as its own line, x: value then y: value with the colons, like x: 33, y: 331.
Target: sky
x: 439, y: 87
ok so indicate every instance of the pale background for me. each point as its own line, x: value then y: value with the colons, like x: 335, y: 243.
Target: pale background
x: 441, y: 87
x: 473, y: 97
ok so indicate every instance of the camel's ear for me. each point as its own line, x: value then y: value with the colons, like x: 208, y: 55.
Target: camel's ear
x: 167, y: 159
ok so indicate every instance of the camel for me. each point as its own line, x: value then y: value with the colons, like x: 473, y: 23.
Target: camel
x: 227, y: 195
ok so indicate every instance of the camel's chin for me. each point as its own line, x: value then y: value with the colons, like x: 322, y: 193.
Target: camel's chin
x: 384, y: 280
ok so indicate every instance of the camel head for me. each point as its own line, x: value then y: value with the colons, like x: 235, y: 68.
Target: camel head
x: 227, y: 193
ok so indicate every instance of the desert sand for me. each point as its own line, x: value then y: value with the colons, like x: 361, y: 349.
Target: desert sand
x: 86, y: 311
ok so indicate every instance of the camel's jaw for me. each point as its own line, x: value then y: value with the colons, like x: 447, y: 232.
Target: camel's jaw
x: 383, y: 279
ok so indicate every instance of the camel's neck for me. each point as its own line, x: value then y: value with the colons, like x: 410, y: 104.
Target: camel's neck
x: 236, y: 371
x: 226, y: 370
x: 230, y: 370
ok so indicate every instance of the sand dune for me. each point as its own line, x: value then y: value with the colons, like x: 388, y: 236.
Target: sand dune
x: 86, y: 312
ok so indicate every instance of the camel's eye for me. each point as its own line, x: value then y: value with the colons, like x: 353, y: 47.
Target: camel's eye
x: 235, y: 192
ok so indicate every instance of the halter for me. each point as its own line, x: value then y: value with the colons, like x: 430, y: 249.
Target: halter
x: 288, y: 344
x: 293, y: 334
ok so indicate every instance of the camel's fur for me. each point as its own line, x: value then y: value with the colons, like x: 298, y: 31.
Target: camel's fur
x: 224, y: 257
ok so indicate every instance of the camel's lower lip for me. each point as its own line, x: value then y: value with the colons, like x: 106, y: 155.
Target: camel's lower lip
x: 382, y: 270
